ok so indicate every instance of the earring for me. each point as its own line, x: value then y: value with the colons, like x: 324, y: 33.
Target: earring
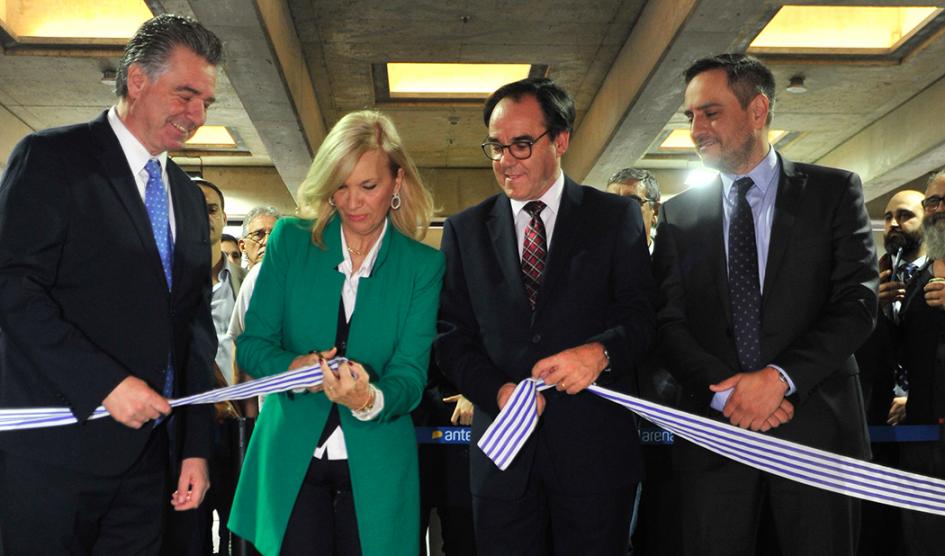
x: 331, y: 202
x: 395, y: 201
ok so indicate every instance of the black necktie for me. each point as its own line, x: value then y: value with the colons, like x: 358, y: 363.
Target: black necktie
x: 743, y: 284
x: 534, y: 251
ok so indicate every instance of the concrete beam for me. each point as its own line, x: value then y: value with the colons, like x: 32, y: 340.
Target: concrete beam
x: 897, y: 148
x: 644, y: 87
x: 264, y: 63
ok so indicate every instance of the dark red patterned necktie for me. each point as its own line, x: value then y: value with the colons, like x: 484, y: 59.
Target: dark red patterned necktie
x: 534, y: 251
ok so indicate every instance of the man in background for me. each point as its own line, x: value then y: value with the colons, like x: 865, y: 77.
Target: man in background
x: 641, y: 186
x: 257, y: 225
x: 922, y: 333
x: 231, y: 248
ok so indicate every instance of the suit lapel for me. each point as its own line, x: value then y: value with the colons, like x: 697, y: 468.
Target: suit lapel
x: 567, y: 227
x: 921, y: 277
x: 501, y: 228
x: 115, y: 168
x: 786, y: 205
x: 713, y: 240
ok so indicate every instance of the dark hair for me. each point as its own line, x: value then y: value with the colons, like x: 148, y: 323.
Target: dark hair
x: 228, y: 237
x: 206, y: 183
x: 639, y: 175
x: 747, y: 77
x: 157, y: 38
x: 556, y: 104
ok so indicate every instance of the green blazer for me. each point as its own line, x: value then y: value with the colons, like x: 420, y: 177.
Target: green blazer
x: 294, y: 310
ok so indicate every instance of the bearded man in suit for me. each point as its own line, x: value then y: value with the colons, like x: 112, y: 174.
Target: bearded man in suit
x: 768, y: 284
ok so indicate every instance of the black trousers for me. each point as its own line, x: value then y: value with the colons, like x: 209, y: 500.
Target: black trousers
x: 50, y: 510
x: 923, y: 533
x: 323, y: 519
x: 720, y: 513
x: 189, y: 533
x: 546, y: 520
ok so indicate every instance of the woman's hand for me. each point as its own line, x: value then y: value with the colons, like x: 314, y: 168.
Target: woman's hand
x: 310, y: 360
x: 351, y: 388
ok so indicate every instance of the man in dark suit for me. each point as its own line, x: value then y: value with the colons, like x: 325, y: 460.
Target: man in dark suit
x: 549, y: 279
x: 922, y: 354
x: 104, y: 300
x: 768, y: 284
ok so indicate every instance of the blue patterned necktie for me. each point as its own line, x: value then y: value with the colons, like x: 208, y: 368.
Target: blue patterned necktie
x: 155, y: 202
x: 534, y: 252
x: 743, y: 283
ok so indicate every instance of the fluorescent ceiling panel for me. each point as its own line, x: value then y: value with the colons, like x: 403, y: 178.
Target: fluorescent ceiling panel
x: 34, y: 20
x: 841, y: 29
x: 409, y: 80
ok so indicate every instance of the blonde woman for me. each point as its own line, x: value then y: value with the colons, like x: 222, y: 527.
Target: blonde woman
x: 333, y: 470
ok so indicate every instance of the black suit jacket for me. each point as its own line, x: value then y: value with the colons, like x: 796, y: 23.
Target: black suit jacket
x: 84, y: 302
x: 597, y: 287
x: 921, y: 337
x: 819, y: 303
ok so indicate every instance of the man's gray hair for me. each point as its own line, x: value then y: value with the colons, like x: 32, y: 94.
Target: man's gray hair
x: 937, y: 176
x: 256, y: 212
x: 638, y: 174
x: 157, y: 38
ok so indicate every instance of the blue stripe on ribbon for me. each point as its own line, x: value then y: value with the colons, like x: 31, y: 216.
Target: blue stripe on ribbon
x: 33, y: 418
x: 841, y: 474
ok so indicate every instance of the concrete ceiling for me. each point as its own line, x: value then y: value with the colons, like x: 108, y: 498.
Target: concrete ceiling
x: 294, y: 67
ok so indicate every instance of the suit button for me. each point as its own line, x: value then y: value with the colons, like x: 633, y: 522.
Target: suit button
x: 536, y: 338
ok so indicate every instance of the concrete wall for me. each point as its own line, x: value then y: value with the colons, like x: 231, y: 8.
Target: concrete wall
x: 11, y: 131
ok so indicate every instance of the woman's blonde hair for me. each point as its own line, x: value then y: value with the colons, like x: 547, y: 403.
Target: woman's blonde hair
x: 354, y: 135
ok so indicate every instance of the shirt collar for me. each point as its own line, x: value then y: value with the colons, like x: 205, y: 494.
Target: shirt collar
x: 762, y: 174
x: 135, y: 152
x: 367, y: 265
x: 551, y: 198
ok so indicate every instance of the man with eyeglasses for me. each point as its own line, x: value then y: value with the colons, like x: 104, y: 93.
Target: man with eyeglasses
x: 548, y: 279
x: 922, y: 329
x: 641, y: 186
x: 257, y: 225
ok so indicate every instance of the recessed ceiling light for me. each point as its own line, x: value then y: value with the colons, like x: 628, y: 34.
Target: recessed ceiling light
x: 796, y: 85
x: 211, y: 136
x: 840, y: 29
x: 106, y: 20
x: 426, y: 80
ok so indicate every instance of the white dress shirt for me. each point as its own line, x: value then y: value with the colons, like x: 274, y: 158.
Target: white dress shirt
x: 549, y: 214
x: 334, y: 447
x: 137, y: 157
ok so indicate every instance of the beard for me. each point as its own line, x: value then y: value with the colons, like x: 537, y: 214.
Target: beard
x: 933, y: 229
x: 898, y: 239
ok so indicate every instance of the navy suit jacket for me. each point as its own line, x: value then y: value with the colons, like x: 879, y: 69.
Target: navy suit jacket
x: 84, y: 302
x: 598, y: 287
x: 819, y: 303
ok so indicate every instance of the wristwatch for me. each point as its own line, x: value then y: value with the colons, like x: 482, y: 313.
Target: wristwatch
x: 607, y: 355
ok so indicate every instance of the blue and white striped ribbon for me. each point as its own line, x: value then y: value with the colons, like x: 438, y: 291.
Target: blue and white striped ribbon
x: 33, y: 418
x: 818, y: 468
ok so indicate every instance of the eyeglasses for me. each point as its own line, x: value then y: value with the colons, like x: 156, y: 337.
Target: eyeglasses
x: 931, y: 203
x: 520, y: 149
x: 258, y: 236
